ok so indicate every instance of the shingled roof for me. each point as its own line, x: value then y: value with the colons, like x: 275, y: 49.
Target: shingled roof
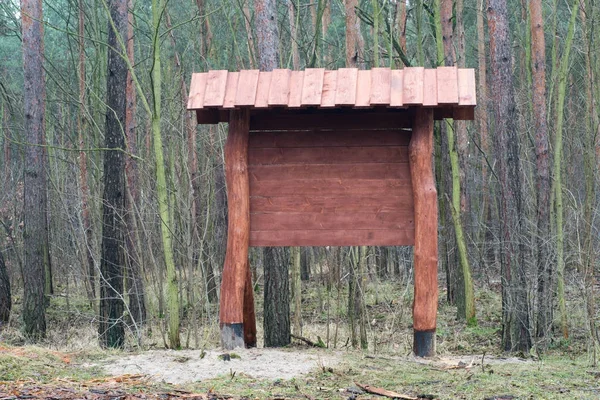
x: 450, y: 88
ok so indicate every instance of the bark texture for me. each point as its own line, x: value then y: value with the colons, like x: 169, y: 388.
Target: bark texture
x: 35, y: 229
x: 5, y: 295
x: 111, y: 328
x: 515, y: 306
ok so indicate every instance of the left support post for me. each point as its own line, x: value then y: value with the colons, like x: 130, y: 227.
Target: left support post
x: 237, y: 320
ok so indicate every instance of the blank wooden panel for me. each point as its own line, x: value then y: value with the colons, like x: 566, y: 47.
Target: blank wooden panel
x: 381, y: 86
x: 332, y: 204
x: 337, y: 138
x: 231, y: 90
x: 447, y: 85
x: 215, y: 88
x: 397, y: 85
x: 430, y: 95
x: 329, y: 87
x: 279, y: 92
x: 334, y: 187
x: 262, y: 92
x: 352, y: 121
x: 328, y: 155
x: 312, y: 86
x: 292, y: 221
x: 363, y: 89
x: 466, y: 87
x: 197, y: 89
x: 413, y: 85
x: 345, y: 94
x: 296, y: 79
x: 404, y: 237
x: 246, y: 90
x: 328, y: 171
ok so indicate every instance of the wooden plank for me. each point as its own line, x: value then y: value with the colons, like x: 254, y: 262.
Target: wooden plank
x: 328, y: 155
x: 279, y: 91
x: 208, y: 116
x: 246, y: 88
x: 426, y: 234
x: 466, y: 87
x: 430, y: 94
x: 231, y: 89
x: 332, y: 187
x: 296, y: 80
x: 465, y: 113
x: 236, y: 258
x: 330, y: 171
x: 333, y: 238
x: 447, y: 85
x: 262, y: 91
x: 354, y: 119
x: 363, y: 138
x: 397, y: 91
x: 381, y: 86
x: 197, y: 89
x: 413, y: 85
x: 345, y: 94
x: 332, y: 204
x: 312, y: 86
x: 329, y: 89
x: 292, y: 221
x: 215, y: 88
x: 363, y: 89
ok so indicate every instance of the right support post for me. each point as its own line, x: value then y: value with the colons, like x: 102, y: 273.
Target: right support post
x: 426, y: 234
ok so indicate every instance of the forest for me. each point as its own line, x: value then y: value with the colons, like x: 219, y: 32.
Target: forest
x: 114, y: 211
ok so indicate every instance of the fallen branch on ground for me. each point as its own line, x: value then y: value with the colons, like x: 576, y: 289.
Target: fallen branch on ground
x: 384, y: 392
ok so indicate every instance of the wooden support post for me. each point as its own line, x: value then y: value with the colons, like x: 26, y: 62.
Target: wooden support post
x: 237, y: 305
x: 426, y: 236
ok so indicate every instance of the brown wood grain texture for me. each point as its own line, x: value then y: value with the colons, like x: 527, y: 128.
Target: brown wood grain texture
x: 466, y: 87
x: 349, y: 119
x: 312, y: 86
x: 321, y: 155
x: 296, y: 81
x: 231, y: 89
x: 363, y: 89
x: 197, y: 88
x: 345, y: 94
x: 249, y: 313
x: 332, y: 204
x: 447, y: 85
x: 397, y: 88
x: 329, y: 89
x: 238, y: 196
x: 246, y: 88
x: 381, y: 86
x: 329, y: 171
x: 262, y: 90
x: 215, y: 88
x: 362, y: 138
x: 413, y: 85
x: 286, y: 221
x: 426, y: 229
x: 333, y: 238
x: 335, y: 187
x: 430, y: 90
x: 279, y: 92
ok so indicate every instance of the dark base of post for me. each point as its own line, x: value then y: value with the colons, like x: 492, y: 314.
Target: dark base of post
x: 424, y: 343
x: 232, y: 336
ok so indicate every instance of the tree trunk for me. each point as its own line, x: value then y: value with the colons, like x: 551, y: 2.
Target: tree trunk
x: 111, y: 328
x: 296, y: 289
x: 354, y: 41
x: 277, y: 291
x: 515, y: 306
x: 543, y: 244
x: 35, y: 220
x: 5, y: 297
x: 277, y: 299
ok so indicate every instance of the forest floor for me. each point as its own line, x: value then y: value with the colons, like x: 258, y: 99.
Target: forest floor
x: 470, y: 364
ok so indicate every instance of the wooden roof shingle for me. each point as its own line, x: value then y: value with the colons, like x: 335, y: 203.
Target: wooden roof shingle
x: 442, y: 87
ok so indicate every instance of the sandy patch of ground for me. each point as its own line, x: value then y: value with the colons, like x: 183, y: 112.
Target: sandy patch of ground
x: 187, y: 366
